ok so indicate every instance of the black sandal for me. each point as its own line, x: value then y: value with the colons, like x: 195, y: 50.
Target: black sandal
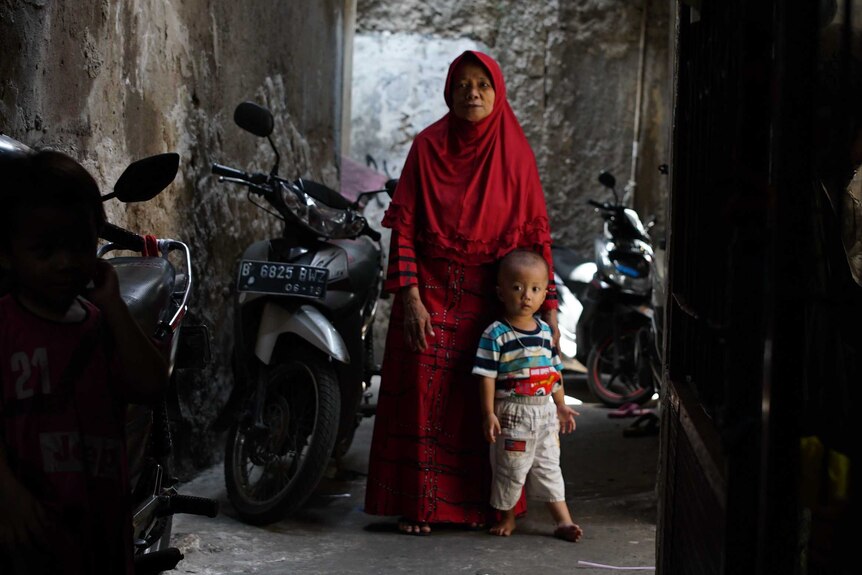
x: 644, y: 426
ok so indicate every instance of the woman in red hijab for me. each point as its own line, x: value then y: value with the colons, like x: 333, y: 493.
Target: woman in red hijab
x: 468, y: 194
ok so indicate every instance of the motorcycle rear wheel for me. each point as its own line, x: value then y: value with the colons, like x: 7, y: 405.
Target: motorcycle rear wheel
x: 624, y: 384
x: 271, y: 471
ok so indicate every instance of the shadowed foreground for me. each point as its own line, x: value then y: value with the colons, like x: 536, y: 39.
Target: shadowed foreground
x: 609, y: 488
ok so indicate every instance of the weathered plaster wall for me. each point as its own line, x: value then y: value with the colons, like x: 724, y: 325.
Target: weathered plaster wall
x: 397, y: 91
x: 571, y: 71
x: 109, y: 82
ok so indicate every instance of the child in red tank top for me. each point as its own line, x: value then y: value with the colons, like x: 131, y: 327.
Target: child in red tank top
x: 71, y: 356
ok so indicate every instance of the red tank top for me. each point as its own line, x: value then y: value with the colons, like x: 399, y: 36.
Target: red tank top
x: 64, y: 436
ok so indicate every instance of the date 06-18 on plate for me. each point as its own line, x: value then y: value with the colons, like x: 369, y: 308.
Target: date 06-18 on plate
x: 282, y: 279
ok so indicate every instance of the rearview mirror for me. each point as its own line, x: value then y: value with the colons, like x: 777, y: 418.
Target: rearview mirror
x: 607, y: 180
x: 144, y: 179
x: 253, y: 118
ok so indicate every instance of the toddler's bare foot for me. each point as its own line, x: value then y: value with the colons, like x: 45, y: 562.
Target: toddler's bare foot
x: 570, y: 532
x: 505, y: 526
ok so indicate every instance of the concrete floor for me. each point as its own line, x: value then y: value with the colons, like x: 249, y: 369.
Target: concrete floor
x: 610, y: 489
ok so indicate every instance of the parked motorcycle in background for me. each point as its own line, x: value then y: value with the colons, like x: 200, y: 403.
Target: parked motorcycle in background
x: 615, y: 332
x: 303, y: 350
x: 572, y: 276
x: 156, y: 286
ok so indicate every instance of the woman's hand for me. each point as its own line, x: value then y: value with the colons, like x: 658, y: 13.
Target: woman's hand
x: 417, y: 320
x: 550, y: 317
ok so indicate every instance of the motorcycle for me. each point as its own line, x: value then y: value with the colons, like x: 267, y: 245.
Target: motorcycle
x: 572, y: 276
x: 615, y: 331
x: 156, y: 292
x: 157, y: 295
x: 303, y: 353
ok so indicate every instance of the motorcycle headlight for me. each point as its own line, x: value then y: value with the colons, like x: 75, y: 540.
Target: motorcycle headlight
x: 323, y: 220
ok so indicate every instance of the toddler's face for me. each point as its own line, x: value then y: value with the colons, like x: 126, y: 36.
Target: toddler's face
x: 52, y: 255
x: 522, y: 289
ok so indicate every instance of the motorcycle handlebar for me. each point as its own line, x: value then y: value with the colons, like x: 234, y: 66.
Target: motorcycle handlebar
x: 124, y: 238
x: 228, y: 172
x: 372, y: 233
x: 313, y: 189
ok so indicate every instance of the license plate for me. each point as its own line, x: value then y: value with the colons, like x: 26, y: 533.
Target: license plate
x: 282, y: 279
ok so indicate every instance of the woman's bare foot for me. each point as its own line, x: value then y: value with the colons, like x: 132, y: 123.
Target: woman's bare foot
x: 413, y: 527
x: 505, y: 526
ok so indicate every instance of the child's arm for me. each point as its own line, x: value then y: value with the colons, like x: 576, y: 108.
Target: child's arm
x: 145, y: 369
x: 490, y: 424
x: 565, y: 413
x: 23, y: 520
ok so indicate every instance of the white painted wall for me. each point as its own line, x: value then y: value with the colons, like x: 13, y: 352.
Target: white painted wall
x: 397, y: 91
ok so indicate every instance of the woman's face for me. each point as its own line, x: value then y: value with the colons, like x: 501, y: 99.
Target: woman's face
x: 472, y: 92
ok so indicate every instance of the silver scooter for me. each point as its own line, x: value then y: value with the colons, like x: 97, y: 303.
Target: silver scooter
x: 303, y: 350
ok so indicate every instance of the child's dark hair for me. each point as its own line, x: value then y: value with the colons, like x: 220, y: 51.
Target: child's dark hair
x: 521, y: 256
x: 45, y: 178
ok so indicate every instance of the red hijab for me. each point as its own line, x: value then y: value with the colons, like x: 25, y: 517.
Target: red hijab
x: 470, y: 191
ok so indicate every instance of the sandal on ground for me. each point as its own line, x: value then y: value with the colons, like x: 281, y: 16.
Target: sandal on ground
x: 643, y: 426
x: 628, y: 410
x: 571, y: 533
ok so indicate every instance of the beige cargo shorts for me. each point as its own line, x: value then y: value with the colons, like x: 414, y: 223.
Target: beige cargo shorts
x: 527, y: 448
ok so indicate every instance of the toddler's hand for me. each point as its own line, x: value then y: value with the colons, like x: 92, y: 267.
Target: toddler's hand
x: 490, y: 427
x: 566, y: 416
x: 106, y: 287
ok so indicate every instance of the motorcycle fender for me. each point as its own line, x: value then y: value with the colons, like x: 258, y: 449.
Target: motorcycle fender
x: 306, y: 322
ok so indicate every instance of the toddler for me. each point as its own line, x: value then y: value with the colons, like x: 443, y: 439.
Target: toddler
x: 518, y: 367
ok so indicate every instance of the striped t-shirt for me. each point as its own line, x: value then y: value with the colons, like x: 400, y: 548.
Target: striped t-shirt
x: 522, y: 363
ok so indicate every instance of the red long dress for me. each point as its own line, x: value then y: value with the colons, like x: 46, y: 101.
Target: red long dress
x: 468, y: 194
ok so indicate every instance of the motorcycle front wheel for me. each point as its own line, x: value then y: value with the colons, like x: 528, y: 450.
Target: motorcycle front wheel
x: 614, y: 375
x: 271, y: 469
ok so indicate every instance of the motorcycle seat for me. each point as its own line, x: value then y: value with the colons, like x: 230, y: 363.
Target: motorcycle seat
x: 146, y: 285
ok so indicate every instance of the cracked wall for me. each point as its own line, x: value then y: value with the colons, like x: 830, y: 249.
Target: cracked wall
x: 111, y: 82
x: 571, y: 72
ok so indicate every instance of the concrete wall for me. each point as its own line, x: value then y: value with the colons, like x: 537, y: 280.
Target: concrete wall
x: 110, y: 82
x: 571, y: 69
